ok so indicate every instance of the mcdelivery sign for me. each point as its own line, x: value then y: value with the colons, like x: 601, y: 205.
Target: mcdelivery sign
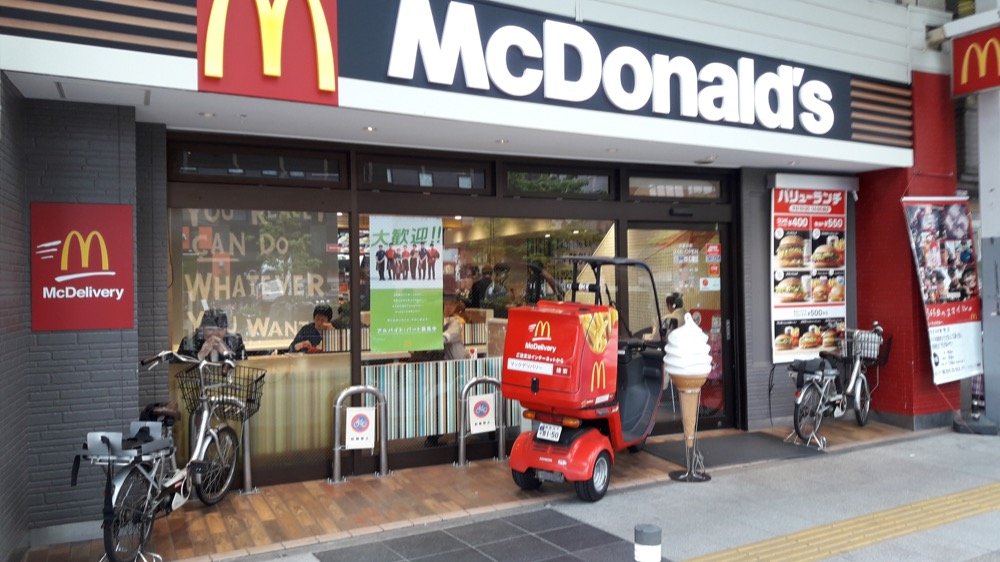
x: 485, y: 49
x: 81, y: 267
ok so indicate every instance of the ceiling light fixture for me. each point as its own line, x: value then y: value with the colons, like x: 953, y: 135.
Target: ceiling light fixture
x: 369, y: 129
x: 611, y: 150
x: 458, y: 217
x: 708, y: 159
x: 206, y: 114
x: 502, y: 141
x: 793, y: 162
x: 548, y: 236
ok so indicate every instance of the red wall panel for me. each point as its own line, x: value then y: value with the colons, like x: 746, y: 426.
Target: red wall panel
x: 887, y: 286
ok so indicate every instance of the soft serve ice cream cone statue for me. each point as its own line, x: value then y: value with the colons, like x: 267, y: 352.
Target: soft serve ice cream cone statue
x: 688, y: 361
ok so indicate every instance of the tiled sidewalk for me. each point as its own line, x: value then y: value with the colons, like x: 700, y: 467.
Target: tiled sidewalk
x: 528, y: 537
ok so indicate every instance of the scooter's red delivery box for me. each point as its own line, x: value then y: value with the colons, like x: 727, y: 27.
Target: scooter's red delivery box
x: 560, y: 356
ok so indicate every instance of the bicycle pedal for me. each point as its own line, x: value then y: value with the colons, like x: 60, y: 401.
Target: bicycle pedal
x: 197, y: 467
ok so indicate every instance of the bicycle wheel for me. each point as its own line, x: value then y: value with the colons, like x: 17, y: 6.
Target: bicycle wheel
x: 219, y: 466
x: 131, y: 522
x: 808, y: 416
x: 862, y: 400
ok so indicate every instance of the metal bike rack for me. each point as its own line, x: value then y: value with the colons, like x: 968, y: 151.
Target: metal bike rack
x: 381, y: 422
x: 247, y: 476
x: 463, y: 406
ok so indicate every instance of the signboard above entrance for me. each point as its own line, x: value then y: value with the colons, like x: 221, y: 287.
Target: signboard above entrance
x: 485, y: 49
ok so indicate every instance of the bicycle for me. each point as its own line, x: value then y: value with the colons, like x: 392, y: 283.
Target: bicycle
x: 817, y: 379
x: 142, y: 476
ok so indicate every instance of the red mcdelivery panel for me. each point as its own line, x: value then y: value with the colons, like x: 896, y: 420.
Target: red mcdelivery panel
x: 560, y: 357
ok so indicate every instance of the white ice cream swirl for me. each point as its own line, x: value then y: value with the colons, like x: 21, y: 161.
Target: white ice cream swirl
x: 687, y: 352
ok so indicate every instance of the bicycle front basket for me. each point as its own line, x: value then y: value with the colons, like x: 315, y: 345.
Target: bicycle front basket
x: 867, y: 344
x: 244, y: 383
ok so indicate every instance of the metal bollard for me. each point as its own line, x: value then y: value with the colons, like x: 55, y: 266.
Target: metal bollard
x: 647, y: 543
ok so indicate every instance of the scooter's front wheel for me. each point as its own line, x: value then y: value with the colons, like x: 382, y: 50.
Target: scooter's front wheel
x: 595, y: 488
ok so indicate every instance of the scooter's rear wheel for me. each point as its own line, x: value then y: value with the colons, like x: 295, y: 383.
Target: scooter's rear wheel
x: 526, y: 480
x: 595, y: 488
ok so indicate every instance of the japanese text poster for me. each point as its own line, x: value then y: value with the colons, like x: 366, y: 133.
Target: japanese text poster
x: 405, y: 275
x: 808, y: 265
x: 945, y: 258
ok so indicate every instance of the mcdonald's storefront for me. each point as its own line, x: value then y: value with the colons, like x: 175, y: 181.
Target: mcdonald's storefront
x: 377, y: 156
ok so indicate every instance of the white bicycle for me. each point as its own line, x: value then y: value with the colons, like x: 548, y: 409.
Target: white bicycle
x: 142, y: 476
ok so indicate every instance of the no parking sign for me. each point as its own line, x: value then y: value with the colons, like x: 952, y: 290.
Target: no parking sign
x: 360, y: 428
x: 481, y: 417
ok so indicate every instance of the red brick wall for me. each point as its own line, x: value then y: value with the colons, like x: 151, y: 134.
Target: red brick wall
x: 887, y: 285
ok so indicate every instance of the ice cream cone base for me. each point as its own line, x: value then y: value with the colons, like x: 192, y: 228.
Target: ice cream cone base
x: 690, y: 400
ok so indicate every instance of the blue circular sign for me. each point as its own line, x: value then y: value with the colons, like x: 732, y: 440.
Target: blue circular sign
x: 481, y: 409
x: 360, y: 423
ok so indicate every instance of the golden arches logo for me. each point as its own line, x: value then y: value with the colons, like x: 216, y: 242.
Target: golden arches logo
x: 982, y: 55
x: 272, y: 27
x: 543, y: 330
x: 598, y: 376
x: 84, y: 243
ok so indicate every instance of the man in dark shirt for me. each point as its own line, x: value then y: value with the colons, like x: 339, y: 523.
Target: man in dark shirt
x: 310, y: 336
x: 478, y: 290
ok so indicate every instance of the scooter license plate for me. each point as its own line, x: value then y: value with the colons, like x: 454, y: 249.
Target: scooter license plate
x: 548, y: 432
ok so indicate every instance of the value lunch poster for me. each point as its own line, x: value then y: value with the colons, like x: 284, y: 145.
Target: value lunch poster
x: 945, y: 257
x: 808, y: 264
x: 405, y: 276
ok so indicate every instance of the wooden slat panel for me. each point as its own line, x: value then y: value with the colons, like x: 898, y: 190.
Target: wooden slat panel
x: 881, y: 98
x: 881, y: 109
x: 880, y: 140
x: 100, y: 16
x: 886, y: 130
x: 136, y: 40
x: 884, y: 88
x: 864, y: 116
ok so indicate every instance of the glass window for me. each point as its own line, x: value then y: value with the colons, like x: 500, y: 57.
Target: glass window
x: 225, y: 163
x: 424, y: 174
x: 410, y: 289
x: 558, y: 183
x: 673, y: 188
x: 266, y: 270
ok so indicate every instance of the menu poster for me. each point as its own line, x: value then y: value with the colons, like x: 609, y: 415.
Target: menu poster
x: 808, y: 264
x: 945, y: 258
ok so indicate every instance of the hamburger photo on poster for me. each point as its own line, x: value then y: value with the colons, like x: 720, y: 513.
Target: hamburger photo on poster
x: 808, y: 264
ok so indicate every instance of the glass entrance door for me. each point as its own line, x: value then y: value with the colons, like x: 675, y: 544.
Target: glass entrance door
x: 689, y: 267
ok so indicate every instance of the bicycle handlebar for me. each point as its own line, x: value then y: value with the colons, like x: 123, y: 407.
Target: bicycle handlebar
x: 162, y: 356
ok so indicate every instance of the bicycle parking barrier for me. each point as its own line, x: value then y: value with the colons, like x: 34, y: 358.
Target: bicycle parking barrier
x: 380, y: 422
x: 463, y: 405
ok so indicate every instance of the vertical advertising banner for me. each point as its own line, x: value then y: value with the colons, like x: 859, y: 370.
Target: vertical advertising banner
x: 808, y: 265
x: 405, y: 276
x: 82, y: 267
x: 945, y: 257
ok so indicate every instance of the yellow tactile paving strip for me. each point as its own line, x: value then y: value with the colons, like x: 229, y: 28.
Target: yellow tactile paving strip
x: 851, y: 534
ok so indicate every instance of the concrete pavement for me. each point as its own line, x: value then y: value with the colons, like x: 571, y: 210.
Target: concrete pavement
x: 934, y: 496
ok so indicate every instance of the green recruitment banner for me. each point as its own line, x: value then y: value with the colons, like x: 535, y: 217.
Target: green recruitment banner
x: 405, y: 276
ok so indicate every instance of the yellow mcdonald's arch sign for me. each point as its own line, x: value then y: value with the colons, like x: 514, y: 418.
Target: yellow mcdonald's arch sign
x: 84, y: 243
x: 271, y: 16
x: 976, y: 62
x: 543, y: 330
x: 598, y: 376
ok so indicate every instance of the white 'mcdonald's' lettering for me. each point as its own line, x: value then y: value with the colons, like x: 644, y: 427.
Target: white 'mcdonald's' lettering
x: 716, y: 92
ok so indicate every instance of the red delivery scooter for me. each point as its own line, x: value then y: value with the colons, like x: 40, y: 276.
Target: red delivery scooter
x: 592, y: 392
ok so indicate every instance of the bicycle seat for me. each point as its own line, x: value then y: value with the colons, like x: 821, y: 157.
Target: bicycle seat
x: 806, y: 365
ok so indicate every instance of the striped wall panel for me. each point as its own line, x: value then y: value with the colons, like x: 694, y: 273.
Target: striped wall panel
x: 153, y: 26
x: 881, y: 114
x: 422, y: 398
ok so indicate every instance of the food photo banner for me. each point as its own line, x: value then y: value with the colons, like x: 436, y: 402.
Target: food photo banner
x: 808, y: 265
x: 945, y: 257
